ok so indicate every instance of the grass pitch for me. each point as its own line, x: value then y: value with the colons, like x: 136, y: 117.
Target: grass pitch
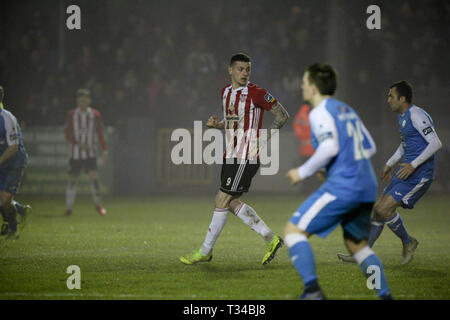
x: 133, y: 253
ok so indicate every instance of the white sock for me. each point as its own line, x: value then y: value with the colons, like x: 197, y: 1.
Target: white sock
x: 251, y: 218
x: 71, y: 192
x: 95, y: 191
x: 217, y: 223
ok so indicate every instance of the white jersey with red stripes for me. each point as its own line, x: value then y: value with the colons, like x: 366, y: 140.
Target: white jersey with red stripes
x: 84, y: 128
x: 243, y: 110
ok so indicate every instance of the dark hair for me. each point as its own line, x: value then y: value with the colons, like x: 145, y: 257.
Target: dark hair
x: 83, y: 92
x: 2, y: 93
x: 239, y: 57
x: 404, y: 89
x: 323, y: 76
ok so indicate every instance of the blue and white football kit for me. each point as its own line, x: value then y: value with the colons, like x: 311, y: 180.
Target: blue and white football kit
x: 350, y: 189
x: 11, y: 171
x: 419, y: 142
x: 343, y: 146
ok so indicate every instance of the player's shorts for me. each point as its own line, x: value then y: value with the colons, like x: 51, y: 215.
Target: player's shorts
x: 409, y: 191
x: 75, y: 166
x: 322, y: 212
x: 236, y: 177
x: 10, y: 179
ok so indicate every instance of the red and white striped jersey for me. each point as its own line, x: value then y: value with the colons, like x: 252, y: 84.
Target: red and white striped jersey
x: 243, y: 110
x: 84, y: 128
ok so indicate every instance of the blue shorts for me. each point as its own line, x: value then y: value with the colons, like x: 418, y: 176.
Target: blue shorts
x: 322, y: 212
x: 10, y: 179
x: 409, y: 191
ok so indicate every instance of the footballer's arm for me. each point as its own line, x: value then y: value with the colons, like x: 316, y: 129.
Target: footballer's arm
x: 281, y: 117
x: 9, y: 152
x: 324, y: 128
x: 386, y: 174
x: 424, y: 127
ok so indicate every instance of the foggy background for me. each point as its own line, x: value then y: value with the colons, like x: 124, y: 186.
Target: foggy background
x: 153, y: 66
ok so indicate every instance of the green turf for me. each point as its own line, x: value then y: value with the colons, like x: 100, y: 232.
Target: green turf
x: 133, y: 252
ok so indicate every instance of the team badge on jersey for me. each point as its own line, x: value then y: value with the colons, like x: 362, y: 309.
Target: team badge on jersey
x: 427, y: 130
x: 269, y: 98
x: 243, y: 97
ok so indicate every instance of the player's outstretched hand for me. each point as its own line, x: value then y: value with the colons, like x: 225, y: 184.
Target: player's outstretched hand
x: 386, y: 174
x: 212, y: 122
x: 293, y: 176
x: 406, y: 170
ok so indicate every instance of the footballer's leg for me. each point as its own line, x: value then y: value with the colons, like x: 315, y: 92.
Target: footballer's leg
x: 236, y: 180
x: 23, y: 212
x: 302, y: 257
x: 71, y: 188
x: 4, y: 227
x: 71, y: 193
x: 376, y: 227
x: 387, y: 210
x: 218, y: 221
x: 367, y: 259
x: 95, y: 191
x: 319, y: 214
x: 10, y: 214
x: 356, y: 231
x: 407, y: 194
x: 249, y: 216
x: 9, y: 187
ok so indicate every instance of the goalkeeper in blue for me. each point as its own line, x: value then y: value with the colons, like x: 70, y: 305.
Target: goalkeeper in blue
x: 419, y: 143
x: 343, y: 148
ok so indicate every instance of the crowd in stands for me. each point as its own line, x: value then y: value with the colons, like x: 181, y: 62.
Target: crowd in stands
x: 168, y: 60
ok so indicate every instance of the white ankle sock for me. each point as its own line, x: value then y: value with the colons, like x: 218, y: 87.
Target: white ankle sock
x: 251, y: 218
x: 217, y: 223
x: 71, y: 192
x: 95, y: 192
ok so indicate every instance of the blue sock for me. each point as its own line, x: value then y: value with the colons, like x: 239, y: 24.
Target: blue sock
x: 302, y: 258
x: 397, y: 227
x: 11, y: 218
x: 375, y: 230
x: 2, y: 212
x: 366, y: 258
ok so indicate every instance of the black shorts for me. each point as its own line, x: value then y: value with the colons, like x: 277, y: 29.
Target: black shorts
x: 75, y: 166
x: 236, y: 177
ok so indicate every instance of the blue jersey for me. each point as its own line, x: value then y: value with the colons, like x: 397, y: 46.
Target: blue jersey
x: 414, y: 125
x: 11, y: 134
x: 350, y: 174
